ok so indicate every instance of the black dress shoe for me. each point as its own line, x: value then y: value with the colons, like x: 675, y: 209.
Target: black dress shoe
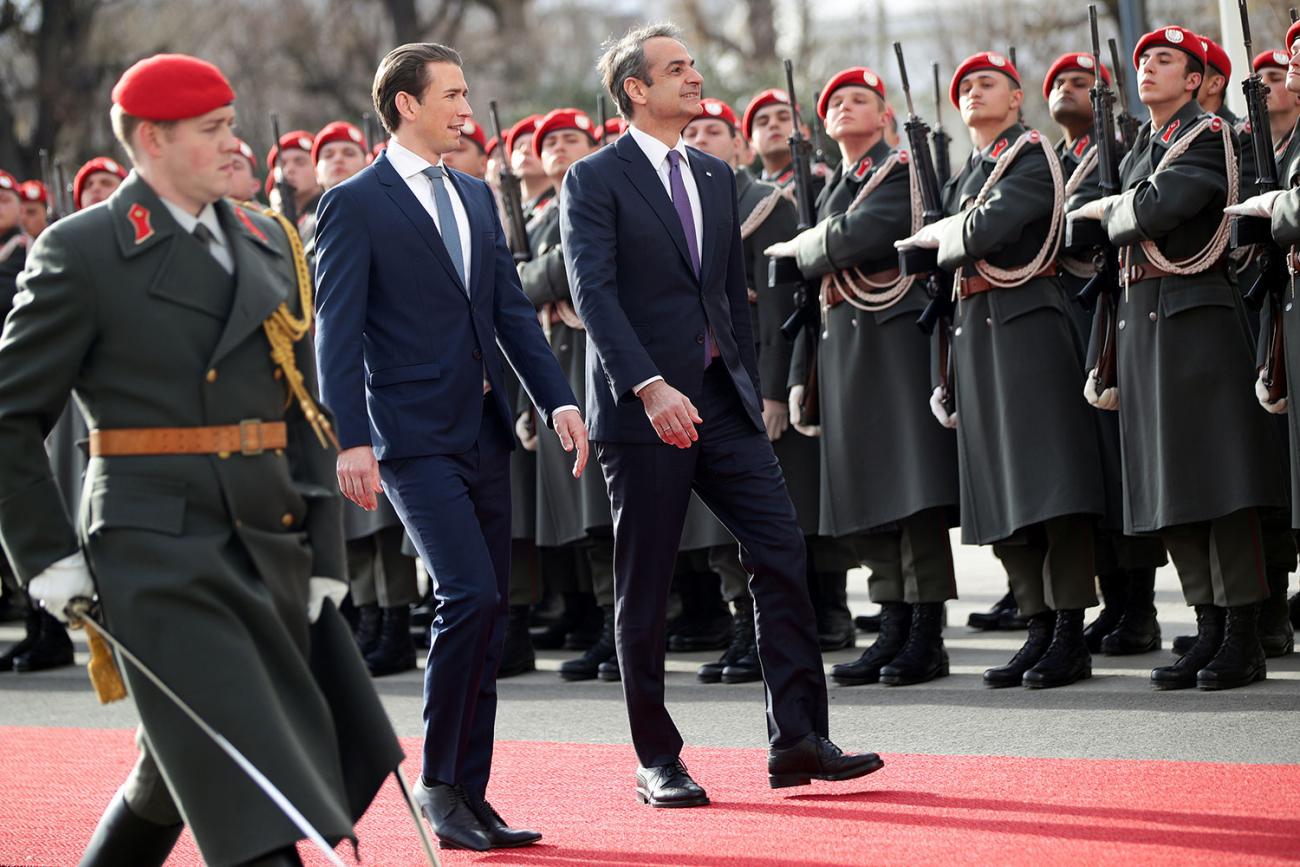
x: 669, y: 786
x: 51, y: 649
x: 123, y: 839
x: 816, y: 758
x: 992, y: 618
x: 499, y: 834
x: 1041, y: 626
x: 448, y: 812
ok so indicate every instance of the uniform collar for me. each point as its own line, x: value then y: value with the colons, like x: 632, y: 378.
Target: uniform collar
x: 188, y: 222
x: 1182, y: 120
x: 1003, y: 142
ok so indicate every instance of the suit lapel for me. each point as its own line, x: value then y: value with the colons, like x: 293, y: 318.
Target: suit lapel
x: 397, y: 190
x: 709, y: 216
x: 646, y: 181
x: 259, y: 288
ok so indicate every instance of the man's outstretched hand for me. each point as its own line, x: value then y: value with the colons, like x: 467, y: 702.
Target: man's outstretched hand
x: 358, y: 473
x: 671, y: 414
x: 573, y: 435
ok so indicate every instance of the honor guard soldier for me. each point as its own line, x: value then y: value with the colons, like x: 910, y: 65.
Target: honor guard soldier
x: 244, y: 183
x: 537, y: 189
x: 177, y: 319
x: 290, y: 158
x: 1283, y: 105
x: 1199, y: 460
x: 1030, y: 465
x: 35, y: 208
x: 473, y: 154
x: 337, y: 153
x: 888, y: 472
x: 767, y: 124
x: 1126, y: 565
x: 96, y: 180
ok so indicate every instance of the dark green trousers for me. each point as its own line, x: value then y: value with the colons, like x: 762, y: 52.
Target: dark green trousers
x: 1050, y: 565
x: 912, y: 564
x: 378, y: 571
x: 1220, y: 562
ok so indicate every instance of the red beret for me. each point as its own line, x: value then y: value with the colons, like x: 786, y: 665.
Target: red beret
x: 858, y: 76
x: 171, y: 87
x: 378, y: 149
x: 1072, y: 63
x: 613, y: 126
x: 1275, y: 59
x: 716, y: 109
x: 985, y: 60
x: 1292, y: 34
x: 298, y: 139
x: 98, y: 164
x: 337, y: 130
x: 1172, y: 36
x: 527, y: 126
x: 1215, y: 56
x: 771, y: 96
x: 474, y: 133
x: 34, y: 191
x: 491, y: 145
x: 559, y: 119
x: 9, y: 184
x: 246, y: 151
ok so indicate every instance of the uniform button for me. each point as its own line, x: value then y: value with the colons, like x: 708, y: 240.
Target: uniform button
x: 957, y: 331
x: 279, y: 374
x: 699, y: 338
x: 988, y: 320
x: 1121, y: 325
x: 564, y: 347
x: 286, y: 519
x: 478, y: 355
x: 225, y: 456
x: 1152, y: 316
x: 854, y: 322
x: 212, y: 375
x: 1288, y: 306
x: 826, y: 335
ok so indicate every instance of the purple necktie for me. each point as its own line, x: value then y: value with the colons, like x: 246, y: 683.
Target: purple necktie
x: 682, y: 204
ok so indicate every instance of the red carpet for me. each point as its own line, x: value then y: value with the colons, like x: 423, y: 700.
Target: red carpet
x: 918, y: 810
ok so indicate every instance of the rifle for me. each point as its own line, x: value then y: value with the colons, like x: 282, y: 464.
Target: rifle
x: 602, y: 116
x: 1258, y: 231
x: 819, y: 134
x: 1011, y: 53
x: 511, y: 195
x: 926, y: 262
x: 942, y: 163
x: 1104, y: 285
x: 288, y: 200
x: 47, y: 178
x: 1128, y: 124
x: 785, y: 271
x: 370, y: 128
x: 62, y: 191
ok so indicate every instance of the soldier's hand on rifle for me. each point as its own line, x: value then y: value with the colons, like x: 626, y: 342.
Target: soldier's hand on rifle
x: 1107, y: 400
x: 776, y: 418
x: 320, y: 589
x: 1255, y: 206
x: 1277, y: 407
x: 60, y: 583
x: 358, y: 473
x: 671, y: 414
x: 795, y: 406
x: 1093, y: 210
x: 941, y: 414
x: 928, y: 237
x: 783, y: 249
x: 526, y: 431
x: 573, y: 437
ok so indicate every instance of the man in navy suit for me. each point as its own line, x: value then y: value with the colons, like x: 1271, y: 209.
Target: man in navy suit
x: 417, y: 301
x: 652, y: 243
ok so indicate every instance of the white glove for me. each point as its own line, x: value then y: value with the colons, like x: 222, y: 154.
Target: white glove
x: 1255, y: 206
x: 785, y: 249
x: 1107, y: 400
x: 928, y: 236
x: 1094, y: 210
x: 62, y: 582
x: 526, y: 432
x: 320, y: 589
x: 1261, y: 392
x: 796, y: 414
x: 940, y: 412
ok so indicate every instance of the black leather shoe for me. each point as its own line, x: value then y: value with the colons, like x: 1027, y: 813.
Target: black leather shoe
x: 51, y: 649
x: 1137, y: 630
x: 123, y: 839
x: 1276, y: 634
x: 499, y: 834
x: 448, y: 812
x: 669, y: 786
x: 369, y: 620
x: 1209, y: 636
x: 587, y: 666
x: 816, y: 758
x: 1041, y: 627
x: 1067, y: 659
x: 395, y: 652
x: 895, y: 624
x: 33, y: 623
x: 1239, y: 660
x: 1114, y: 595
x: 742, y: 636
x: 517, y: 656
x: 923, y: 657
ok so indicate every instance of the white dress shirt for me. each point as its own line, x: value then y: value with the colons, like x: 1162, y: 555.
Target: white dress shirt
x: 219, y: 247
x: 411, y: 167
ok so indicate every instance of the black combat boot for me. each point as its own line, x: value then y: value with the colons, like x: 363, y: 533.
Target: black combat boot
x: 867, y: 622
x: 369, y: 619
x: 517, y: 655
x: 1114, y: 595
x: 923, y: 657
x: 1003, y: 610
x: 834, y: 620
x: 423, y: 612
x: 705, y: 623
x: 742, y: 636
x: 52, y: 648
x: 1240, y: 658
x: 608, y: 671
x: 33, y: 624
x: 395, y: 651
x: 1294, y: 606
x: 1276, y: 635
x: 572, y: 612
x: 123, y: 839
x: 747, y: 668
x: 895, y: 625
x: 1209, y: 636
x: 587, y: 666
x: 1067, y: 659
x: 1041, y: 627
x: 1137, y: 630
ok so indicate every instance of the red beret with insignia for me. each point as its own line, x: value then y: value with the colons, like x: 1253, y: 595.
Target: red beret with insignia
x: 1215, y: 56
x: 1172, y: 36
x: 858, y: 76
x: 771, y: 96
x: 474, y: 133
x: 298, y: 139
x: 246, y: 151
x: 1292, y: 34
x: 9, y: 184
x: 34, y: 191
x: 985, y: 61
x: 561, y: 119
x: 716, y: 109
x: 1275, y: 59
x: 1072, y: 63
x: 98, y: 164
x: 613, y: 126
x: 527, y: 126
x: 337, y: 130
x: 171, y: 87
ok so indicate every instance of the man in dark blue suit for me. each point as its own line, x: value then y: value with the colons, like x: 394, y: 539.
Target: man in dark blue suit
x: 653, y: 249
x: 417, y: 301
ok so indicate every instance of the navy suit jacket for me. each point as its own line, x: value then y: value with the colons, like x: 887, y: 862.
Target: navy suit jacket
x: 633, y: 285
x: 401, y: 347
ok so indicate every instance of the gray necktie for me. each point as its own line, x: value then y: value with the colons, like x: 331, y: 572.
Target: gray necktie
x: 447, y: 221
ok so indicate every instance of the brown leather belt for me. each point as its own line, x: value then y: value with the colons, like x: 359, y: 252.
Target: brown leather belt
x: 834, y: 297
x: 250, y: 437
x: 977, y: 285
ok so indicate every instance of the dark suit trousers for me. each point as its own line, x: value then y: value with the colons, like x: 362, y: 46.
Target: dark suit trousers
x: 735, y: 472
x: 456, y: 509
